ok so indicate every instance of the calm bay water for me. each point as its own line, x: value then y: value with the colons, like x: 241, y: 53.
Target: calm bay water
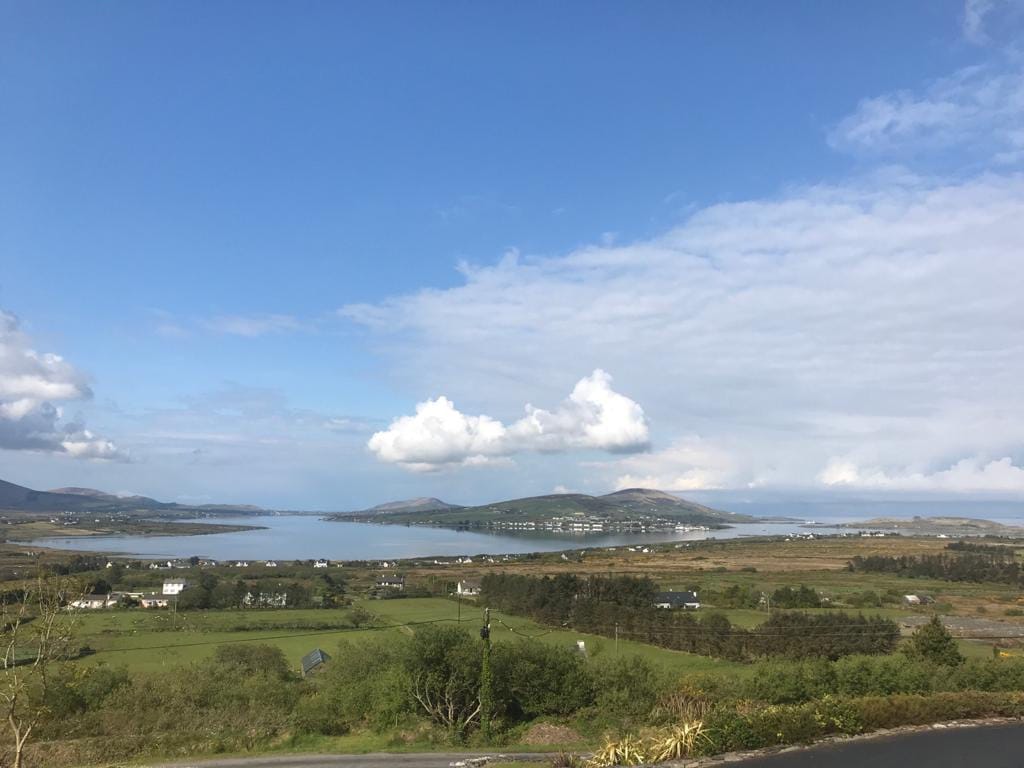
x: 291, y: 537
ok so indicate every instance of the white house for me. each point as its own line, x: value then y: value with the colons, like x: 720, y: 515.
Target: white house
x: 321, y: 563
x: 154, y: 601
x: 174, y: 586
x: 911, y: 599
x: 265, y: 600
x: 95, y: 602
x: 271, y: 564
x: 468, y: 588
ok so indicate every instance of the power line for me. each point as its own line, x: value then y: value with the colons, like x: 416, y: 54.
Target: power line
x: 515, y: 631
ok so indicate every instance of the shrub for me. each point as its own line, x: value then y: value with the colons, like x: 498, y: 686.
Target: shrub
x: 891, y: 711
x: 626, y: 688
x: 791, y: 683
x: 932, y: 642
x: 316, y: 714
x: 532, y: 679
x: 677, y: 742
x: 865, y: 675
x: 627, y: 750
x: 366, y: 683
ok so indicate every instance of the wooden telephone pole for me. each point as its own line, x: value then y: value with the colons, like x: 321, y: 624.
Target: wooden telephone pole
x: 486, y: 692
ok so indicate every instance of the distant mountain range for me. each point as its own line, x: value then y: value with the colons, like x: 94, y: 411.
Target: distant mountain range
x: 18, y: 498
x: 630, y: 504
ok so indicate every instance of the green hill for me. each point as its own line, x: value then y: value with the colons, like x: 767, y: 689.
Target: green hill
x: 627, y: 505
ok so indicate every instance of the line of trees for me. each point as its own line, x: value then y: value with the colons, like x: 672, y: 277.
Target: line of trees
x: 623, y: 607
x: 998, y: 567
x: 974, y: 546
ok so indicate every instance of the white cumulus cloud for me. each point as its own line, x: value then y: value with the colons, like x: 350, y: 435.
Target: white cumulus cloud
x: 594, y: 416
x: 31, y: 383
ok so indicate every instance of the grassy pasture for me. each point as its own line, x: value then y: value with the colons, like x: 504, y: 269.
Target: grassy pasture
x: 145, y: 640
x: 505, y: 628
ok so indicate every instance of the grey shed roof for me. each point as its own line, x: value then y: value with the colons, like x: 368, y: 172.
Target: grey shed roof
x: 312, y: 660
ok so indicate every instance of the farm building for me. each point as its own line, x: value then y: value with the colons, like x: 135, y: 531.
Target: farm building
x: 671, y: 600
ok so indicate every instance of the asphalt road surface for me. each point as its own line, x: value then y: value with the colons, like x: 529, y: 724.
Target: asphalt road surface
x: 990, y: 746
x: 986, y: 746
x: 377, y: 760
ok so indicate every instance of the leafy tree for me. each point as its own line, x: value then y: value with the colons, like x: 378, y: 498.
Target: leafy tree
x: 36, y: 636
x: 444, y: 665
x: 932, y: 642
x: 196, y: 597
x: 534, y: 679
x: 101, y: 587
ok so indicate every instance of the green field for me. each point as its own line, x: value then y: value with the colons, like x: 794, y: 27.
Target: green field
x: 146, y: 641
x: 505, y: 628
x: 154, y: 640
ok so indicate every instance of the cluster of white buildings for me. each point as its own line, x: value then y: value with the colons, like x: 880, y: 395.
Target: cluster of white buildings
x: 163, y: 599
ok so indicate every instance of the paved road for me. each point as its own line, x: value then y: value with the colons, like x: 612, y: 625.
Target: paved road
x: 990, y: 746
x: 378, y: 760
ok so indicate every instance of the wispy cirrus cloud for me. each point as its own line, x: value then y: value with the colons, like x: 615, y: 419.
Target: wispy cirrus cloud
x: 875, y: 321
x: 978, y: 110
x: 978, y: 17
x: 253, y: 326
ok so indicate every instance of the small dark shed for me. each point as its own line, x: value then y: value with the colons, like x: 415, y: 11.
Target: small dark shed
x: 313, y: 661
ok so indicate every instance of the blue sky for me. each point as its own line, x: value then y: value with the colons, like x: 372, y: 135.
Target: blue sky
x: 260, y: 235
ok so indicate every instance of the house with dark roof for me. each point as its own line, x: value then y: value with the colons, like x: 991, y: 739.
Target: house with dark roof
x: 468, y: 588
x: 391, y: 582
x: 313, y: 660
x: 671, y: 600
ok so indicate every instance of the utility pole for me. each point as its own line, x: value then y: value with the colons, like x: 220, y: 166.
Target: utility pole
x: 486, y: 694
x: 616, y: 638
